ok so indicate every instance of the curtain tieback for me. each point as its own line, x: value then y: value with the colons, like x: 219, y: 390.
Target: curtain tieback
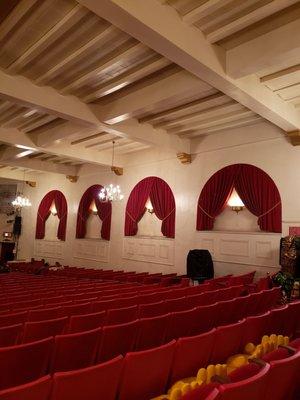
x: 130, y: 216
x: 209, y: 216
x: 171, y: 212
x: 271, y: 209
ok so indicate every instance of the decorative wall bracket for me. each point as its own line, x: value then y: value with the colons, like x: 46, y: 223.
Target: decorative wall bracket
x: 294, y: 137
x: 117, y: 170
x: 184, y: 158
x: 31, y: 183
x: 72, y: 178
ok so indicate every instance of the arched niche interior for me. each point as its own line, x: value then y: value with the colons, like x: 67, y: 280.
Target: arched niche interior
x: 53, y: 206
x: 162, y: 199
x: 256, y: 189
x: 92, y: 213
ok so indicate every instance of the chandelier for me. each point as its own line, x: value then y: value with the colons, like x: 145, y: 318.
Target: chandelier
x: 111, y: 192
x: 21, y: 201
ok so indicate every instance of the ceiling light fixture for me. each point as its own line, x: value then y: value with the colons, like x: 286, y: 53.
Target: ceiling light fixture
x: 111, y: 192
x: 21, y: 201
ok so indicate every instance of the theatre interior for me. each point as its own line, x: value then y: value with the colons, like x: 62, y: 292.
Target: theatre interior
x: 150, y: 200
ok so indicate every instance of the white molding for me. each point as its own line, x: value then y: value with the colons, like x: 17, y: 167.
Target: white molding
x: 244, y: 248
x: 91, y: 250
x: 53, y: 249
x: 154, y: 250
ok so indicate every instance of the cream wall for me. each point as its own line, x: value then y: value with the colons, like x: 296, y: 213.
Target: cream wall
x: 262, y: 145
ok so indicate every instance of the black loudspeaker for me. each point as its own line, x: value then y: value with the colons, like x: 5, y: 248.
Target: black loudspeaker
x: 17, y: 226
x: 200, y: 265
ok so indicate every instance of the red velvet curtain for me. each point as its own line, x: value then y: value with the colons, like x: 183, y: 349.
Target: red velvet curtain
x: 261, y: 197
x: 255, y: 188
x: 163, y: 202
x: 214, y: 196
x: 135, y: 207
x: 44, y: 212
x: 103, y: 210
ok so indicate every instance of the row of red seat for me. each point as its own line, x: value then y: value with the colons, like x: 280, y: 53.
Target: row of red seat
x: 74, y: 351
x: 140, y: 375
x: 152, y: 330
x: 169, y: 301
x: 96, y: 273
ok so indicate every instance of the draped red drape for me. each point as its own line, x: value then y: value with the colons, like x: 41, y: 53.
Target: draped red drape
x: 163, y: 202
x: 44, y: 212
x: 255, y: 188
x: 261, y: 196
x: 103, y: 210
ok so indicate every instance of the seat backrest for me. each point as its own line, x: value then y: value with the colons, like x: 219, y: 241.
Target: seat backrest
x: 24, y: 363
x: 278, y: 318
x: 151, y: 309
x: 204, y: 392
x: 121, y: 315
x: 145, y: 373
x: 9, y: 335
x: 151, y: 298
x: 239, y: 308
x: 225, y: 312
x: 116, y: 340
x: 76, y: 309
x: 91, y: 383
x: 75, y: 350
x: 191, y: 354
x: 86, y: 322
x: 36, y: 390
x: 13, y: 318
x: 283, y: 378
x: 43, y: 314
x: 152, y: 332
x: 256, y: 327
x: 246, y: 389
x: 42, y: 329
x: 206, y: 318
x: 181, y: 323
x: 178, y: 304
x: 228, y: 340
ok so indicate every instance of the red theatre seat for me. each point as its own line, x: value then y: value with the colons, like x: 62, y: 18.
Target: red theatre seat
x: 191, y: 353
x: 43, y: 329
x: 228, y: 341
x: 36, y: 390
x: 247, y: 385
x: 93, y: 383
x: 86, y: 322
x: 117, y: 339
x: 145, y: 373
x: 75, y: 350
x: 284, y: 377
x: 152, y: 332
x: 24, y: 363
x: 121, y: 315
x: 9, y: 335
x: 42, y: 315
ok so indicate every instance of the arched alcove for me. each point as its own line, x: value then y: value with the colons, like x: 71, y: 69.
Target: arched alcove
x: 102, y: 210
x: 256, y: 189
x: 57, y: 199
x: 163, y: 202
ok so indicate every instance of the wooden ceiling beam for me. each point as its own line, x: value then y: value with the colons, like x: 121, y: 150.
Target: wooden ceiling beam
x: 153, y: 23
x: 20, y: 90
x: 257, y: 54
